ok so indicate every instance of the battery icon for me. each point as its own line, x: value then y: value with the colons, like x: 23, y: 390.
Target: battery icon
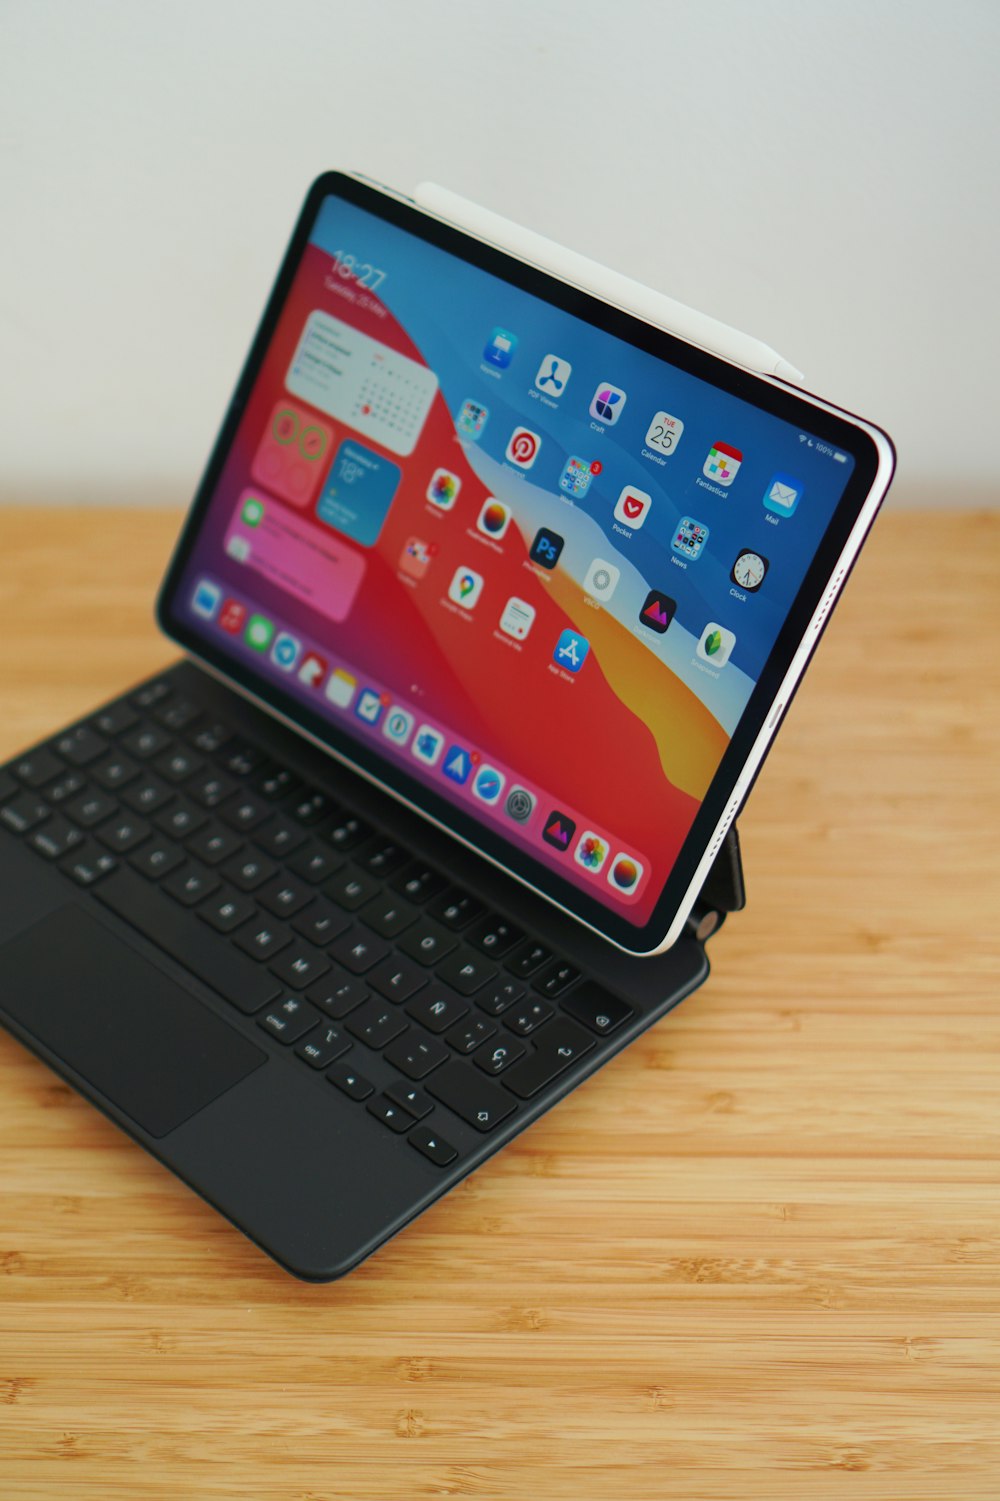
x: 841, y: 458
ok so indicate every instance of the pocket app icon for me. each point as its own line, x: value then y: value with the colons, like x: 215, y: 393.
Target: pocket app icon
x: 633, y: 507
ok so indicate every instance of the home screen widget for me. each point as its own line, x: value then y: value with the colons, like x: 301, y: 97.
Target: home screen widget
x: 206, y: 599
x: 658, y: 611
x: 259, y: 632
x: 285, y: 651
x: 313, y: 669
x: 783, y: 495
x: 289, y: 458
x: 571, y: 651
x: 340, y: 688
x: 625, y: 873
x: 607, y: 403
x: 689, y: 539
x: 723, y: 463
x: 558, y: 831
x: 488, y: 783
x: 575, y: 478
x: 664, y: 433
x: 232, y: 616
x: 517, y: 619
x: 443, y: 489
x: 553, y: 373
x: 472, y: 418
x: 466, y: 587
x: 500, y: 348
x: 398, y: 725
x: 369, y: 706
x: 427, y: 745
x: 591, y: 851
x: 716, y: 644
x: 633, y: 507
x: 522, y: 447
x: 602, y: 580
x: 457, y: 764
x: 494, y: 519
x: 520, y: 804
x: 546, y: 548
x: 415, y: 559
x: 749, y: 569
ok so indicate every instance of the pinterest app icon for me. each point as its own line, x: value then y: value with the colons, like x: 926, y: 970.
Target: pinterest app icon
x: 523, y: 447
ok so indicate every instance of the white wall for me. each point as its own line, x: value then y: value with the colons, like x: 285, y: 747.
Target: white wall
x: 824, y: 176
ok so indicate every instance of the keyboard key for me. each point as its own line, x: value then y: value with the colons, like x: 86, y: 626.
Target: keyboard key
x: 350, y: 888
x: 387, y: 914
x: 263, y: 939
x: 350, y: 1082
x: 428, y: 942
x: 279, y: 837
x: 178, y: 764
x: 337, y: 995
x: 358, y: 950
x: 466, y: 971
x: 181, y: 819
x: 115, y: 720
x: 244, y: 812
x: 390, y: 1115
x: 314, y: 862
x: 528, y: 957
x: 65, y: 787
x: 290, y: 1019
x: 494, y: 935
x: 467, y: 1036
x: 213, y: 844
x: 117, y: 771
x: 151, y: 694
x: 146, y: 741
x: 191, y: 884
x: 563, y: 1043
x: 312, y: 807
x: 179, y: 715
x: 381, y: 857
x: 81, y: 746
x: 88, y: 863
x: 433, y: 1146
x: 455, y: 909
x: 23, y: 812
x: 437, y: 1011
x: 498, y: 998
x: 559, y: 976
x: 210, y: 738
x: 158, y: 857
x: 275, y: 782
x: 472, y: 1098
x: 528, y: 1017
x: 39, y: 767
x: 375, y: 1024
x: 418, y: 883
x: 212, y: 790
x: 321, y: 923
x: 323, y: 1046
x: 416, y: 1055
x: 123, y: 833
x: 227, y: 910
x: 411, y: 1097
x: 284, y: 898
x: 243, y: 759
x: 147, y: 795
x: 597, y: 1008
x: 91, y: 808
x: 396, y: 979
x: 247, y: 871
x: 300, y: 965
x: 347, y: 832
x: 7, y: 786
x: 495, y: 1056
x: 56, y: 837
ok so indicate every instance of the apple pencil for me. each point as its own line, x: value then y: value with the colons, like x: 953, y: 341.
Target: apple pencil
x: 631, y: 296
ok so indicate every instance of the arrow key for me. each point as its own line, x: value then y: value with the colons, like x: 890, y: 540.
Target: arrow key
x: 433, y: 1146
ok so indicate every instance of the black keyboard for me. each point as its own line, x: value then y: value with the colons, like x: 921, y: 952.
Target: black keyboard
x: 321, y: 930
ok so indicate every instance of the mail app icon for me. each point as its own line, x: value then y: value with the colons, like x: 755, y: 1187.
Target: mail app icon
x: 783, y: 495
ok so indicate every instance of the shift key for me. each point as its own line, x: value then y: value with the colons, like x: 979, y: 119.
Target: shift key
x: 473, y: 1098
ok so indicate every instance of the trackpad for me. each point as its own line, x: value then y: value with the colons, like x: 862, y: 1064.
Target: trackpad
x: 145, y: 1042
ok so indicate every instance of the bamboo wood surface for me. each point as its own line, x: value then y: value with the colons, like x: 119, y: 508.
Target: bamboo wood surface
x: 755, y: 1257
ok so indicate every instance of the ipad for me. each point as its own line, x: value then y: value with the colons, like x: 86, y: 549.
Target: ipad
x: 540, y: 569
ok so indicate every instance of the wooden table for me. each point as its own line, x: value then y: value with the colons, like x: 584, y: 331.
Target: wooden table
x: 756, y: 1256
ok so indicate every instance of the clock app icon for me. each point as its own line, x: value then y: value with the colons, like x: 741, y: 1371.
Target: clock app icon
x: 749, y: 569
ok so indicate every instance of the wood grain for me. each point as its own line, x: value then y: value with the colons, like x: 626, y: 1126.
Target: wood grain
x: 756, y: 1257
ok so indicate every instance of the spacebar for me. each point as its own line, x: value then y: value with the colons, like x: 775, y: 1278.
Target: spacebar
x: 209, y: 959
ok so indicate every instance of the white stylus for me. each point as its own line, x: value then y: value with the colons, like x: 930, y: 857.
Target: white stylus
x: 631, y: 296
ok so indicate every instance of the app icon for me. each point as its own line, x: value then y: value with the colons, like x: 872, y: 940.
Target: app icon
x: 238, y: 548
x: 443, y: 489
x: 749, y: 570
x: 493, y: 519
x: 466, y: 587
x: 591, y: 851
x: 690, y: 537
x: 517, y: 619
x: 488, y: 783
x: 472, y: 418
x: 559, y: 831
x: 625, y: 874
x: 313, y: 669
x: 206, y: 599
x: 427, y: 744
x: 232, y: 616
x: 252, y: 511
x: 369, y: 706
x: 664, y: 433
x: 553, y: 373
x: 285, y: 651
x: 520, y: 804
x: 783, y: 495
x: 500, y: 348
x: 657, y: 611
x: 571, y: 651
x: 398, y: 724
x: 633, y: 507
x: 602, y: 580
x: 457, y: 764
x: 259, y: 632
x: 716, y: 644
x: 723, y: 464
x: 575, y: 478
x: 522, y: 448
x: 340, y: 688
x: 546, y: 548
x: 607, y: 403
x: 415, y: 559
